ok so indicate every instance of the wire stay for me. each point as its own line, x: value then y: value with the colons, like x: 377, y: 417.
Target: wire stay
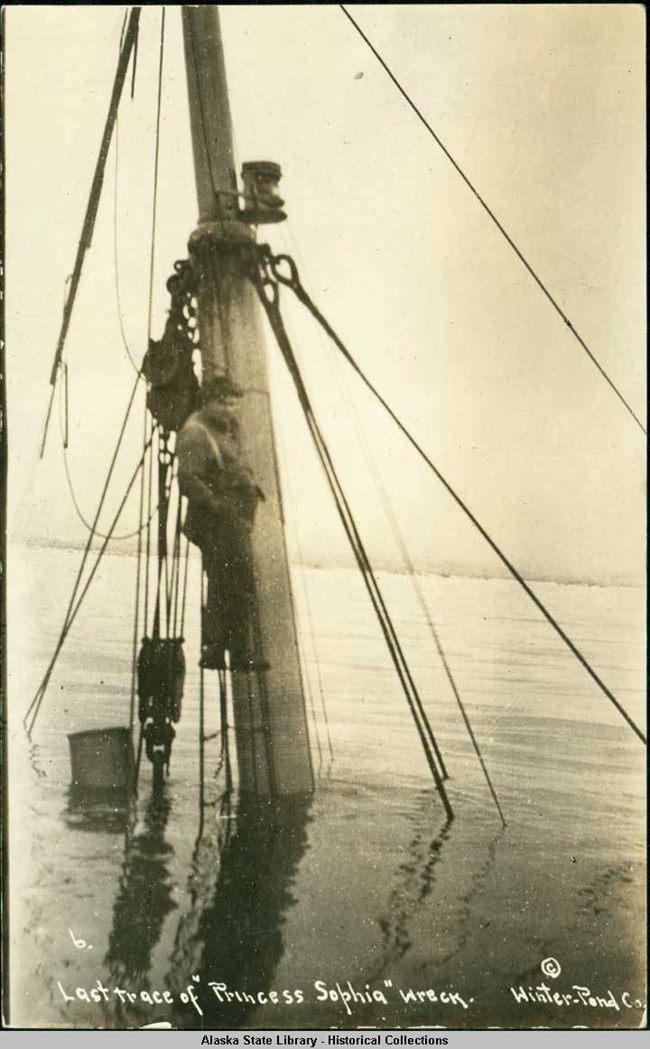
x: 495, y: 220
x: 293, y: 281
x: 423, y: 727
x: 415, y: 583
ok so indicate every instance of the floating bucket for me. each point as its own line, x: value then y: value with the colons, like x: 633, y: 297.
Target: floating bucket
x: 101, y: 759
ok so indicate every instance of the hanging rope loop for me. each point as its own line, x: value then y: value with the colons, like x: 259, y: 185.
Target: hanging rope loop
x: 269, y: 289
x: 277, y: 262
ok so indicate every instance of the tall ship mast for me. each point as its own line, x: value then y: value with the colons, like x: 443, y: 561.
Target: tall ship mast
x: 246, y: 855
x: 217, y: 473
x: 269, y: 704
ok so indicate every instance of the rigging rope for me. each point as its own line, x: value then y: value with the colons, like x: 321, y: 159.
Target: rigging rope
x: 73, y: 608
x: 163, y: 508
x: 136, y: 615
x: 293, y: 282
x: 148, y: 542
x: 92, y: 529
x: 410, y: 568
x: 225, y: 728
x: 406, y: 558
x: 418, y: 713
x: 116, y: 265
x: 95, y: 531
x: 138, y: 760
x: 176, y: 569
x: 66, y: 431
x: 104, y: 490
x: 310, y: 625
x: 93, y: 203
x: 185, y: 573
x: 201, y: 742
x: 135, y: 64
x: 71, y: 611
x: 286, y: 229
x: 155, y: 172
x: 495, y: 220
x: 75, y: 502
x: 149, y: 483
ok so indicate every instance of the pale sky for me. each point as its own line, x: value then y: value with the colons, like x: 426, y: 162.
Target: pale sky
x: 542, y: 105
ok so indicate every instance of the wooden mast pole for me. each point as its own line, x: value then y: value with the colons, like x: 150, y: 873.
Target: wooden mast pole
x: 269, y: 709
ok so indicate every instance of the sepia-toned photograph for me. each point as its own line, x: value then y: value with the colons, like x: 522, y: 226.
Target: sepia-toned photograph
x: 324, y: 565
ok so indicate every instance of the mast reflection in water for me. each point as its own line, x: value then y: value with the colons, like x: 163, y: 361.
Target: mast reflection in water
x: 144, y: 898
x: 234, y: 934
x: 239, y: 890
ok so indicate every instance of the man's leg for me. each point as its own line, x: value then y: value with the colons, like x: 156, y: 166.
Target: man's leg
x: 244, y: 639
x: 213, y: 627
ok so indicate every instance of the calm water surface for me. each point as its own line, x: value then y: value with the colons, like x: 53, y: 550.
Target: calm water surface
x: 365, y: 882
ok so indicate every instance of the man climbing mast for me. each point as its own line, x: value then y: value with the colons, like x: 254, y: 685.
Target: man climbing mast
x: 269, y: 711
x: 222, y: 503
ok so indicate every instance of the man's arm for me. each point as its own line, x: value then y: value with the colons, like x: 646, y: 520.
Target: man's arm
x: 198, y: 493
x: 194, y: 454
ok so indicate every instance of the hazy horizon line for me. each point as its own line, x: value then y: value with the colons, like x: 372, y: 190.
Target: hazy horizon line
x: 444, y: 570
